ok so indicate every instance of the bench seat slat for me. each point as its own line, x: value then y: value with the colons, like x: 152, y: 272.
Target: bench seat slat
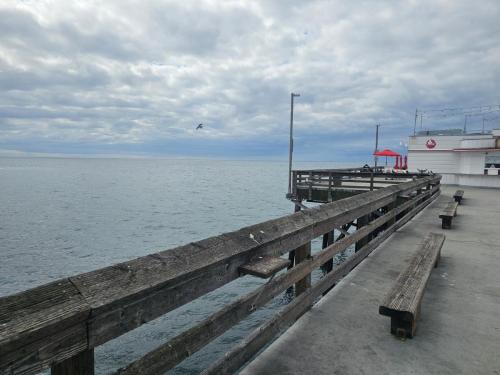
x: 449, y: 212
x: 264, y: 266
x: 402, y: 303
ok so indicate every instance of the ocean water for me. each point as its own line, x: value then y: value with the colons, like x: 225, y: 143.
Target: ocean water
x: 61, y: 216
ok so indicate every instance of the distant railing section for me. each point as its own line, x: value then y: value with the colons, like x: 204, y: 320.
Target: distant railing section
x: 354, y: 180
x: 58, y: 325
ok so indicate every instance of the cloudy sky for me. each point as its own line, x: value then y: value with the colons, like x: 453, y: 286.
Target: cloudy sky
x: 123, y: 77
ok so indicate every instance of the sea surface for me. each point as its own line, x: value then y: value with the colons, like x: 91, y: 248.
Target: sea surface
x: 64, y: 216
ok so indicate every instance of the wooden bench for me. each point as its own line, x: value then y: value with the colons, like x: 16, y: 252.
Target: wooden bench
x: 403, y: 301
x: 459, y: 194
x: 447, y: 215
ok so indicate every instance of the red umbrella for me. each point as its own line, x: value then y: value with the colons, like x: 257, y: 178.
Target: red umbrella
x: 386, y: 152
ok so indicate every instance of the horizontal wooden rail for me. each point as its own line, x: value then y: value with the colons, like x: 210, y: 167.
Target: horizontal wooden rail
x: 171, y: 353
x: 325, y: 185
x: 54, y: 322
x: 244, y: 351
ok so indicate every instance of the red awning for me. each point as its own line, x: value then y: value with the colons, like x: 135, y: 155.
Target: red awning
x: 386, y: 152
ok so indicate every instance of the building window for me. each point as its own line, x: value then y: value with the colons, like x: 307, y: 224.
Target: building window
x: 492, y: 164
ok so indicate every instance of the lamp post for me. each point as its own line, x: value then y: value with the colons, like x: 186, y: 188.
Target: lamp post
x: 292, y: 96
x: 376, y: 146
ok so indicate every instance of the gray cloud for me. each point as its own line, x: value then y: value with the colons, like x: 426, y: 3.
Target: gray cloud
x: 143, y: 73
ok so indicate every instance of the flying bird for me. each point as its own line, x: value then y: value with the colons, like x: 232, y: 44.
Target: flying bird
x: 200, y: 126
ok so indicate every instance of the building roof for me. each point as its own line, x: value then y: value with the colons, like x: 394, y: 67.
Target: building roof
x: 450, y: 132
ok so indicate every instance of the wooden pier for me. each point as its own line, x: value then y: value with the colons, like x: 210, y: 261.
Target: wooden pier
x: 58, y: 325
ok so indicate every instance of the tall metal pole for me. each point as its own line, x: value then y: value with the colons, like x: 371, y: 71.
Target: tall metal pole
x: 415, y: 125
x: 292, y: 95
x: 483, y: 126
x: 465, y: 124
x: 376, y: 146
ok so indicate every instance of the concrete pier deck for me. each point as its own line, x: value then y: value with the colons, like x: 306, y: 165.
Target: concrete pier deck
x: 459, y: 328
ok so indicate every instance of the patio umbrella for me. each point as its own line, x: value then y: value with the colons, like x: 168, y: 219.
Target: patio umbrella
x: 386, y: 153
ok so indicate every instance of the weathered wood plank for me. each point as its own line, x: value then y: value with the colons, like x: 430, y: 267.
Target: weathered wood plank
x: 80, y: 364
x: 38, y: 355
x: 171, y: 353
x: 113, y: 315
x: 301, y: 254
x: 402, y: 303
x: 264, y: 266
x: 448, y: 213
x: 361, y: 222
x: 450, y: 209
x: 36, y: 320
x: 328, y: 239
x: 239, y: 355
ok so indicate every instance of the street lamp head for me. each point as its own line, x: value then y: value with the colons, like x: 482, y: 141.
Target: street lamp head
x: 293, y: 94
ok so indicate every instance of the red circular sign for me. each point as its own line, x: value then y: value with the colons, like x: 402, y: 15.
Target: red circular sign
x: 431, y: 143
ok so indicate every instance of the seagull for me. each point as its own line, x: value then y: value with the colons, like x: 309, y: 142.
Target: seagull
x: 252, y: 237
x: 200, y: 126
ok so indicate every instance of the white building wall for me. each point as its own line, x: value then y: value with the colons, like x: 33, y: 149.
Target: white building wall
x: 477, y: 180
x: 472, y: 162
x: 452, y: 157
x: 477, y: 143
x: 442, y: 142
x: 438, y: 162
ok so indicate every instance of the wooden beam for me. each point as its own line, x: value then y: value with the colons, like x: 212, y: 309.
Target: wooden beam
x: 239, y: 355
x: 80, y: 364
x: 301, y: 254
x: 174, y: 351
x: 264, y: 266
x: 42, y: 326
x: 343, y: 231
x: 328, y: 239
x: 361, y: 222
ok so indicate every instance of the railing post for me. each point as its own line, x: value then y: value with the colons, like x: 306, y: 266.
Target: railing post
x: 328, y: 239
x: 390, y: 207
x: 294, y: 184
x: 296, y: 256
x: 310, y: 183
x: 361, y: 222
x: 302, y: 253
x: 80, y: 364
x: 330, y: 183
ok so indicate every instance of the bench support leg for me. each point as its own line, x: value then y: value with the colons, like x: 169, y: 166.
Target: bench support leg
x: 446, y: 223
x: 403, y: 328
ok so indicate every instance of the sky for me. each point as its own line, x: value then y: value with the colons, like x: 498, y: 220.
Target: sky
x: 137, y: 77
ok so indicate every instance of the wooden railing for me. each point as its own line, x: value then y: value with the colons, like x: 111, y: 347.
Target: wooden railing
x: 357, y: 180
x: 58, y: 325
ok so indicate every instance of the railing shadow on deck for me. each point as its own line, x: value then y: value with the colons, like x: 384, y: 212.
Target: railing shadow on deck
x: 59, y: 324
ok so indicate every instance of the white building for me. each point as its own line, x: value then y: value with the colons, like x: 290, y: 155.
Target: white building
x: 462, y: 159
